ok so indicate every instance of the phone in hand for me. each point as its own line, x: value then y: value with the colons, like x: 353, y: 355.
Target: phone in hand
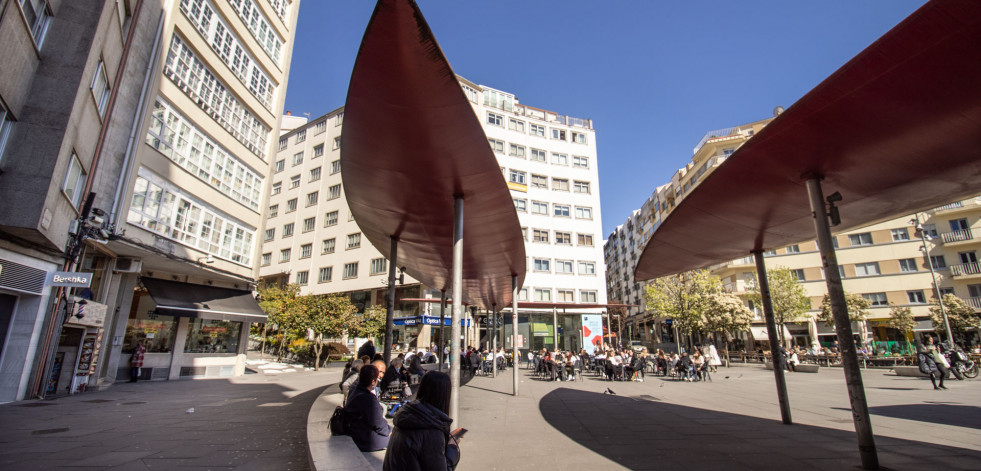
x: 458, y: 433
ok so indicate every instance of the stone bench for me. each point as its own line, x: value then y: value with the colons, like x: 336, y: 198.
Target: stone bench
x: 801, y: 368
x: 909, y: 371
x: 334, y: 453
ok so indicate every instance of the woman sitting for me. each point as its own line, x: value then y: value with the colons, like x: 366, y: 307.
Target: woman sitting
x: 421, y: 440
x: 366, y: 420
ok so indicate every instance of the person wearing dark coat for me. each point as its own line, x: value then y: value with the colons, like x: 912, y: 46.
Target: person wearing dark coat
x: 421, y: 440
x: 366, y: 419
x: 367, y: 349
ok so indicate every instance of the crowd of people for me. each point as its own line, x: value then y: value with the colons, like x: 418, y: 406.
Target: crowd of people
x: 625, y: 364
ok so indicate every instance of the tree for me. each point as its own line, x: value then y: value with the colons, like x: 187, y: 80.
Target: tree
x: 901, y: 319
x: 282, y: 306
x: 323, y: 317
x: 725, y: 312
x: 683, y: 297
x: 788, y: 297
x: 959, y: 313
x: 857, y: 309
x: 370, y: 323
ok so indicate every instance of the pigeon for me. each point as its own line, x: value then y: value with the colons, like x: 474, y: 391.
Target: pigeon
x: 740, y: 375
x: 727, y: 377
x: 610, y: 391
x: 662, y: 385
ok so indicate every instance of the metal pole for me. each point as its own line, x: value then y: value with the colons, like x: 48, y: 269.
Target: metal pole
x: 555, y: 329
x: 514, y: 330
x: 771, y: 328
x: 493, y: 325
x: 393, y: 257
x: 457, y: 309
x: 609, y: 329
x: 936, y: 287
x: 442, y: 329
x: 843, y: 327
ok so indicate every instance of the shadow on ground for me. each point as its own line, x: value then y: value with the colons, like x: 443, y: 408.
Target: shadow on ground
x: 643, y: 433
x: 945, y: 414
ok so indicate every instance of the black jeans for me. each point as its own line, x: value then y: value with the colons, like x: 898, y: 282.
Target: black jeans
x: 134, y: 373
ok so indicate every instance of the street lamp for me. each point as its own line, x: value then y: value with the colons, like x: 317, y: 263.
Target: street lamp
x: 936, y: 286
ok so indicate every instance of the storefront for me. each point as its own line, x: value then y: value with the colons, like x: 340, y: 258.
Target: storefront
x: 189, y: 330
x: 24, y: 300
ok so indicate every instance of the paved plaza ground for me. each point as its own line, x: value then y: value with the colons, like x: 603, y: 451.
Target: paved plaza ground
x: 258, y: 421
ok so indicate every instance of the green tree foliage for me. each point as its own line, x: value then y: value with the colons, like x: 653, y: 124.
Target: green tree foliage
x: 901, y: 319
x: 683, y: 297
x: 959, y: 313
x: 282, y: 305
x: 787, y: 295
x: 325, y: 317
x: 858, y: 309
x: 725, y: 312
x: 370, y: 323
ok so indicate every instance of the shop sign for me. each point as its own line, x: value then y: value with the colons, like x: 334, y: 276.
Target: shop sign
x: 518, y: 187
x: 90, y: 314
x: 69, y: 279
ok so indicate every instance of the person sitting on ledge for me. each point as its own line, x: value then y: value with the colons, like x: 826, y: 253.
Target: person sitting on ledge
x: 366, y: 419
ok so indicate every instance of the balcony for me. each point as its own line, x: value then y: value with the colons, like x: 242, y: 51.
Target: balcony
x: 967, y: 270
x: 975, y: 302
x: 959, y: 206
x: 963, y: 235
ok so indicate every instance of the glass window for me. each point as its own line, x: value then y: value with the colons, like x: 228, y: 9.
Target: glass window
x: 581, y: 187
x: 37, y: 16
x: 586, y: 240
x: 328, y: 246
x: 798, y: 274
x: 144, y: 323
x: 354, y: 240
x: 867, y: 269
x: 212, y: 336
x: 539, y: 235
x: 334, y: 192
x: 588, y: 296
x: 584, y: 212
x: 520, y: 205
x: 277, y: 188
x: 539, y: 181
x: 330, y: 219
x: 518, y: 177
x: 351, y: 270
x: 563, y: 238
x: 543, y: 294
x: 335, y: 167
x: 294, y: 181
x: 877, y: 299
x: 538, y: 155
x: 907, y: 265
x: 74, y: 183
x: 900, y: 234
x: 578, y: 137
x: 516, y: 125
x: 558, y: 134
x: 266, y: 259
x: 560, y: 210
x: 273, y: 211
x: 537, y: 130
x: 284, y: 255
x: 517, y: 151
x: 496, y: 145
x: 302, y: 277
x: 542, y: 264
x: 580, y: 162
x: 297, y: 158
x: 916, y: 297
x: 560, y: 184
x: 793, y: 249
x: 864, y: 238
x: 283, y: 142
x: 100, y: 88
x: 309, y: 224
x: 326, y: 273
x: 288, y: 230
x: 539, y: 207
x: 315, y: 174
x: 560, y: 159
x: 279, y: 166
x: 938, y: 262
x: 301, y: 136
x: 379, y: 266
x: 319, y: 128
x: 270, y: 234
x: 6, y: 122
x: 312, y: 198
x: 337, y: 143
x: 563, y: 266
x: 495, y: 119
x: 291, y: 205
x: 587, y: 268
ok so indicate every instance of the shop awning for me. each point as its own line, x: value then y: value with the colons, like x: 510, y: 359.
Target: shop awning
x: 174, y: 298
x: 760, y: 334
x: 427, y: 320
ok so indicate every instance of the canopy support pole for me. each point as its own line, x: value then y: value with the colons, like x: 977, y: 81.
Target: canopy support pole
x: 555, y: 329
x: 393, y: 256
x: 442, y: 329
x: 457, y: 309
x: 514, y: 330
x: 609, y: 329
x: 771, y: 332
x: 493, y: 325
x: 843, y: 327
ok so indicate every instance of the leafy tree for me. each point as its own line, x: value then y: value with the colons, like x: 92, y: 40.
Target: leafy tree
x: 787, y: 295
x: 370, y: 323
x: 325, y: 317
x: 959, y: 313
x: 858, y: 309
x: 684, y: 298
x: 901, y: 319
x: 725, y: 312
x: 282, y: 305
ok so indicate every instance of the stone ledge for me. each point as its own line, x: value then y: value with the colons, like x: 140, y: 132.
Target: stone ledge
x: 801, y: 368
x: 326, y: 451
x: 909, y: 371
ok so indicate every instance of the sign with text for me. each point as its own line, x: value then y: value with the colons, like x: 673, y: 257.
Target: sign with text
x: 69, y: 279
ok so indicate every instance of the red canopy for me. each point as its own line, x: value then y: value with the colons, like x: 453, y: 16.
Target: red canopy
x: 411, y: 143
x: 895, y: 130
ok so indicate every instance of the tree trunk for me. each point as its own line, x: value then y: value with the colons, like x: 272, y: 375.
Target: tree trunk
x: 262, y: 351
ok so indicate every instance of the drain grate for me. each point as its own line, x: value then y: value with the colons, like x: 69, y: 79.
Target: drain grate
x: 49, y: 431
x: 37, y: 404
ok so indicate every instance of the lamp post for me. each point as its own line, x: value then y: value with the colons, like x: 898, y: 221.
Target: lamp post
x: 936, y: 286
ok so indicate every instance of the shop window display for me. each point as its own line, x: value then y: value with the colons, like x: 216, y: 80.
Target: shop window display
x: 212, y: 336
x: 158, y: 330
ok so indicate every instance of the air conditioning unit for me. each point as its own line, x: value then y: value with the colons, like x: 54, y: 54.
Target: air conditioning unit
x: 128, y: 265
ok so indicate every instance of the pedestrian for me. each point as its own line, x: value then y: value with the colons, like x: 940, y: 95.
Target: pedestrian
x: 933, y: 363
x: 136, y: 362
x: 714, y: 360
x: 366, y: 419
x: 367, y: 349
x: 422, y: 439
x: 348, y: 383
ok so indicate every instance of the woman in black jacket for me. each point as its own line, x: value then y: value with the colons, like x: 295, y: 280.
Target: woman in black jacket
x: 366, y: 422
x: 421, y: 440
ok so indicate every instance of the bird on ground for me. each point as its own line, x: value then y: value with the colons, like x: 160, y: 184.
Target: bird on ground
x: 609, y: 391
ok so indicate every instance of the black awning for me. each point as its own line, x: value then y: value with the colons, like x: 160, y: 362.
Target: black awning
x: 204, y: 302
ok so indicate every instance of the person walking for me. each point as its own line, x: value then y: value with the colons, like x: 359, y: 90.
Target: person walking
x: 136, y: 362
x: 933, y: 363
x: 421, y: 439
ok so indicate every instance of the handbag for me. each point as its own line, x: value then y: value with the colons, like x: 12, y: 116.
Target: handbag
x: 338, y: 422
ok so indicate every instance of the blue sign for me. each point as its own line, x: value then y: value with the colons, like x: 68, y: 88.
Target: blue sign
x: 427, y: 320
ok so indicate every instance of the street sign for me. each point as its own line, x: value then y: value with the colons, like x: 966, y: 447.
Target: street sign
x: 69, y: 279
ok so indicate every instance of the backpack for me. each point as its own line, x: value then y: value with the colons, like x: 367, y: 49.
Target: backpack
x: 338, y: 422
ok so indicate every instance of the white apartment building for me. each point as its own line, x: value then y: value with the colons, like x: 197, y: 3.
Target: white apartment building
x: 549, y: 161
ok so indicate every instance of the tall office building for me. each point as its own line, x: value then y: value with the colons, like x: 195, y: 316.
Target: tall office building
x: 138, y: 142
x: 549, y: 162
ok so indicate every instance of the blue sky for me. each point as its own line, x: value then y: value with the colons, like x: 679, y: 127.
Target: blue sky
x: 653, y: 75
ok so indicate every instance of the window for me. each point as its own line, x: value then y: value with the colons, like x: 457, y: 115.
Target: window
x: 294, y: 181
x: 560, y: 184
x: 520, y: 205
x: 798, y: 274
x: 867, y: 269
x: 330, y: 219
x: 495, y: 119
x: 270, y: 234
x: 315, y: 174
x: 539, y: 235
x: 283, y: 142
x: 558, y: 134
x: 587, y: 268
x: 309, y: 224
x: 518, y: 177
x: 586, y: 240
x: 580, y: 162
x: 335, y: 167
x: 297, y: 158
x: 517, y: 151
x: 318, y: 150
x: 337, y: 143
x: 560, y: 210
x: 973, y: 291
x: 516, y: 125
x: 288, y: 230
x: 496, y: 145
x: 581, y: 187
x: 291, y: 205
x: 306, y: 250
x: 353, y: 240
x: 543, y: 294
x: 916, y: 297
x: 578, y: 137
x: 907, y: 265
x: 266, y: 259
x: 938, y: 262
x: 539, y: 181
x: 946, y: 291
x: 864, y: 238
x: 100, y: 88
x: 6, y: 122
x: 930, y: 230
x: 273, y: 211
x: 350, y: 270
x: 537, y: 155
x: 563, y: 238
x: 74, y: 183
x: 327, y: 246
x: 301, y: 136
x: 312, y: 198
x: 284, y: 255
x: 560, y: 159
x: 279, y: 166
x: 326, y: 273
x: 339, y: 119
x: 793, y: 249
x: 378, y: 266
x: 523, y: 294
x: 588, y: 296
x: 900, y: 234
x: 538, y: 207
x: 877, y: 299
x: 565, y: 295
x: 584, y: 213
x: 524, y: 233
x: 563, y: 266
x: 320, y: 127
x: 36, y: 14
x: 334, y: 192
x: 536, y: 130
